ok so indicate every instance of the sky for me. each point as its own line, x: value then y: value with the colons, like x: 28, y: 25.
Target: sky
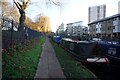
x: 70, y: 11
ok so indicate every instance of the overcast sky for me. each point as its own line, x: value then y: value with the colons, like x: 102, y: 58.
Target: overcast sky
x: 71, y: 11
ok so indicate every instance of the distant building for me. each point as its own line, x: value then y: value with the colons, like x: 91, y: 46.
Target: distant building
x: 106, y: 27
x: 6, y: 23
x: 74, y: 29
x: 96, y: 12
x: 69, y: 29
x: 60, y: 29
x: 85, y: 30
x: 118, y: 7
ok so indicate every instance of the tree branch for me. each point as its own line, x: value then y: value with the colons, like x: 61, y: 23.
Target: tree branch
x: 17, y: 4
x: 23, y: 1
x: 56, y: 3
x: 26, y: 4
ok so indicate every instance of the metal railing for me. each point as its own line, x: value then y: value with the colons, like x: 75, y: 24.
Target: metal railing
x: 11, y: 35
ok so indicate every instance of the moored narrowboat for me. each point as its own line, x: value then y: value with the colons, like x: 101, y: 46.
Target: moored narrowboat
x: 111, y: 51
x: 86, y: 51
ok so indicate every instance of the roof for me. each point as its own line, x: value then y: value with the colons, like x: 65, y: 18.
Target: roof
x: 74, y: 22
x: 104, y: 19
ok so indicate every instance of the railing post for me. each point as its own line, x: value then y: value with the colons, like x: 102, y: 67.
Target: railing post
x: 12, y: 33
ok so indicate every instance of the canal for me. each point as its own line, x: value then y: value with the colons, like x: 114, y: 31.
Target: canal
x: 110, y: 72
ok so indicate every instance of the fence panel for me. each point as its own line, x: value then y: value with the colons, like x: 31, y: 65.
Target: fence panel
x: 11, y: 35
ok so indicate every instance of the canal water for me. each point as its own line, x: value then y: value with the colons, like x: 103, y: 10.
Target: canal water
x: 111, y: 72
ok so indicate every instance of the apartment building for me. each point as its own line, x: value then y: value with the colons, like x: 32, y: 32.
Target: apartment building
x: 118, y: 7
x: 96, y: 13
x: 106, y: 27
x: 60, y: 29
x: 74, y: 29
x: 69, y: 29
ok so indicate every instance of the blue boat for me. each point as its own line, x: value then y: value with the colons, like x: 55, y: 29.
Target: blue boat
x: 111, y: 51
x: 57, y: 39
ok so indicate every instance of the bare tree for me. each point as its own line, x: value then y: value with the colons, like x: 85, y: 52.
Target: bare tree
x: 7, y: 11
x: 56, y: 2
x: 21, y: 7
x: 4, y: 8
x: 14, y: 13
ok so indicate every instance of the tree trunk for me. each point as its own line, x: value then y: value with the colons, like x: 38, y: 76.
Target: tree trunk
x: 21, y: 20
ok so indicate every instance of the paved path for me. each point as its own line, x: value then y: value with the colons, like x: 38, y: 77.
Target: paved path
x: 48, y: 66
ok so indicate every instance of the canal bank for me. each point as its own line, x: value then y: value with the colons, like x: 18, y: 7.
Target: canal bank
x: 71, y: 68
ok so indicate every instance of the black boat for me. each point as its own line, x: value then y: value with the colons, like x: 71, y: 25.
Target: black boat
x: 86, y: 51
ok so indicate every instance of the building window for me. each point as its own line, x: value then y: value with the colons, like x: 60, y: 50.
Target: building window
x: 98, y: 12
x: 109, y: 28
x: 103, y: 29
x: 113, y: 27
x: 115, y: 19
x: 119, y: 17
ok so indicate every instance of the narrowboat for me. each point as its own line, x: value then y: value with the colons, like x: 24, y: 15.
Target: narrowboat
x: 57, y: 39
x: 86, y: 51
x: 111, y: 50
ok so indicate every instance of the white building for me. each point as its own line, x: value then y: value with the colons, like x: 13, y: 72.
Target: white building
x: 60, y: 29
x: 6, y: 24
x: 118, y: 7
x: 96, y: 12
x: 74, y: 29
x: 116, y: 24
x: 85, y: 30
x: 69, y: 29
x: 98, y: 28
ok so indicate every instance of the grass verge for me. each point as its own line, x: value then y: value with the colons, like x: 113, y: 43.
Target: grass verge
x: 71, y: 68
x: 22, y: 64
